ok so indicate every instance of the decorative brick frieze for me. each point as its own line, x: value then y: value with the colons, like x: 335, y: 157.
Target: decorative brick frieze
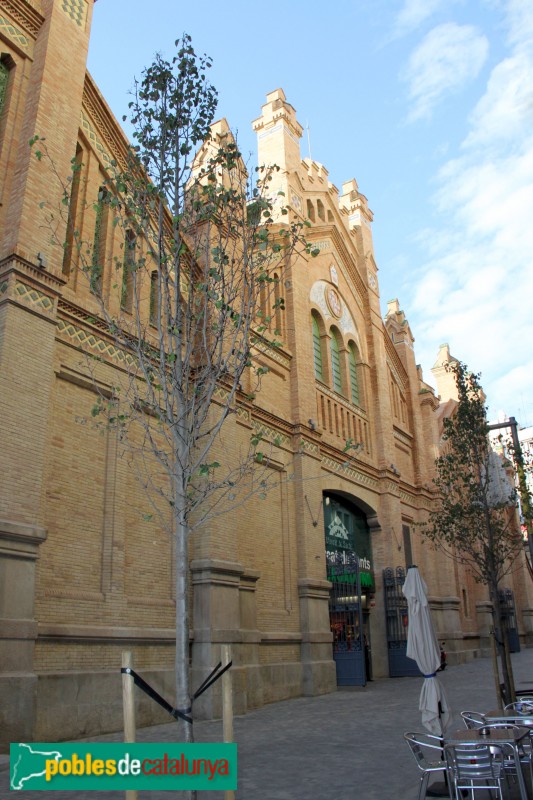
x: 24, y: 15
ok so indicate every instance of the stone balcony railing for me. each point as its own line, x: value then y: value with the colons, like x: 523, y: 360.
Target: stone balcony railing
x: 341, y: 421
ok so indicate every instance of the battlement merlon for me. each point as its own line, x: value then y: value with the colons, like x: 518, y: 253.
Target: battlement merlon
x: 355, y: 205
x: 278, y: 133
x: 397, y: 324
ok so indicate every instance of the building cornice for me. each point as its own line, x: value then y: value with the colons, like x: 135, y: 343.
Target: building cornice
x: 108, y: 128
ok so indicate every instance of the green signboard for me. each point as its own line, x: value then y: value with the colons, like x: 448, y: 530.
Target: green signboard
x: 348, y: 538
x: 110, y: 766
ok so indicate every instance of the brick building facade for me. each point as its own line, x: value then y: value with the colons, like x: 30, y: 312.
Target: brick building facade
x: 82, y: 574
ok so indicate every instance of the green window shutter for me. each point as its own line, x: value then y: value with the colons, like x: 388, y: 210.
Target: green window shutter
x: 4, y: 75
x: 98, y: 245
x: 128, y: 269
x: 71, y: 250
x: 317, y: 350
x: 354, y: 383
x: 154, y: 298
x: 336, y: 364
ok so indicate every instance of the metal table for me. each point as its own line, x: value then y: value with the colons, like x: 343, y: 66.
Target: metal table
x: 512, y: 716
x: 497, y: 736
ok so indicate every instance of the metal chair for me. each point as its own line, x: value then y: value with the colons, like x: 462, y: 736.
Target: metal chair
x: 428, y: 753
x: 473, y: 719
x: 522, y: 705
x: 474, y: 767
x: 513, y: 757
x: 519, y: 756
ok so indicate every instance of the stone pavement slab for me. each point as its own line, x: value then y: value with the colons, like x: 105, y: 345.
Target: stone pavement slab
x: 343, y: 746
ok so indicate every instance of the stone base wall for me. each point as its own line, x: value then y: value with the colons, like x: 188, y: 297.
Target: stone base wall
x: 77, y: 704
x: 17, y: 709
x: 71, y: 705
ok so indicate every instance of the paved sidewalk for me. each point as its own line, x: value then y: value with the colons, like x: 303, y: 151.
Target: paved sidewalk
x: 342, y: 746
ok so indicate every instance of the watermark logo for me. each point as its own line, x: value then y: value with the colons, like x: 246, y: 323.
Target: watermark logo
x: 118, y: 766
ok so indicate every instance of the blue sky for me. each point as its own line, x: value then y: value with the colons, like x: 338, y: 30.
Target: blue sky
x: 428, y: 104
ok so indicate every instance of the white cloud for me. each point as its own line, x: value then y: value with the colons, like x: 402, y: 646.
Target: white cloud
x: 492, y: 198
x: 520, y: 23
x: 514, y: 386
x: 448, y: 57
x: 475, y: 288
x: 477, y: 292
x: 506, y: 109
x: 415, y: 12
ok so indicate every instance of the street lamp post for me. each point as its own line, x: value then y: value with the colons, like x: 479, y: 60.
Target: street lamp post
x: 522, y: 484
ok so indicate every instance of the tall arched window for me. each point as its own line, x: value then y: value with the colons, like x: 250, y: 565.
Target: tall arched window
x: 336, y: 373
x: 73, y: 233
x: 278, y: 306
x: 98, y: 256
x: 4, y: 75
x: 128, y: 270
x: 354, y: 382
x: 317, y: 349
x: 154, y: 297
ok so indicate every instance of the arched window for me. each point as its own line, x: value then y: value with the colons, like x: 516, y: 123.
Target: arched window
x: 317, y: 349
x: 321, y: 210
x: 128, y: 271
x: 154, y: 297
x: 98, y: 256
x: 310, y: 210
x: 336, y: 373
x: 73, y: 233
x: 4, y: 76
x: 263, y: 306
x: 354, y: 382
x: 278, y: 306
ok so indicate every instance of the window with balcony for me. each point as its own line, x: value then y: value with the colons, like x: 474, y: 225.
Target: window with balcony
x: 317, y: 349
x: 352, y: 368
x: 336, y: 372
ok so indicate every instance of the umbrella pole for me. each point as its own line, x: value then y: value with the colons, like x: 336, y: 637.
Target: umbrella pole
x: 439, y: 789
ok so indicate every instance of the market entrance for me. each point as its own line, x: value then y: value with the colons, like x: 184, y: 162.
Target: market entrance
x: 349, y: 568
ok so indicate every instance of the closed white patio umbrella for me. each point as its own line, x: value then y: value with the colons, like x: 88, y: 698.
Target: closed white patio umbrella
x: 423, y: 647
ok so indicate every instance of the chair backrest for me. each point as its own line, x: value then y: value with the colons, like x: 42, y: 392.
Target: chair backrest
x: 473, y: 719
x: 522, y: 705
x: 422, y: 746
x: 473, y: 761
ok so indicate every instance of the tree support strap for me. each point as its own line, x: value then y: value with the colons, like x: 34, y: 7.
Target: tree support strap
x: 213, y: 676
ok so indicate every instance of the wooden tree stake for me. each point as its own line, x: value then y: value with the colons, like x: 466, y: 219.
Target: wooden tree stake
x: 128, y: 703
x: 227, y: 706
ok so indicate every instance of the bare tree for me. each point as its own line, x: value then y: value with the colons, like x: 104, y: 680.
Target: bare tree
x: 475, y: 520
x: 198, y: 289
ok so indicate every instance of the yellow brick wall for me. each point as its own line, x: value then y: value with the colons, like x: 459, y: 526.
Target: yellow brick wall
x: 104, y: 574
x: 74, y: 656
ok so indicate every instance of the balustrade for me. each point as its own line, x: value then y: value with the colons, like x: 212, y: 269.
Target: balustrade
x: 342, y: 420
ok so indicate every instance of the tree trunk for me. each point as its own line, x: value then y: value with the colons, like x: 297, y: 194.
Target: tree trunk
x: 182, y: 672
x: 183, y: 693
x: 501, y: 638
x: 495, y: 670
